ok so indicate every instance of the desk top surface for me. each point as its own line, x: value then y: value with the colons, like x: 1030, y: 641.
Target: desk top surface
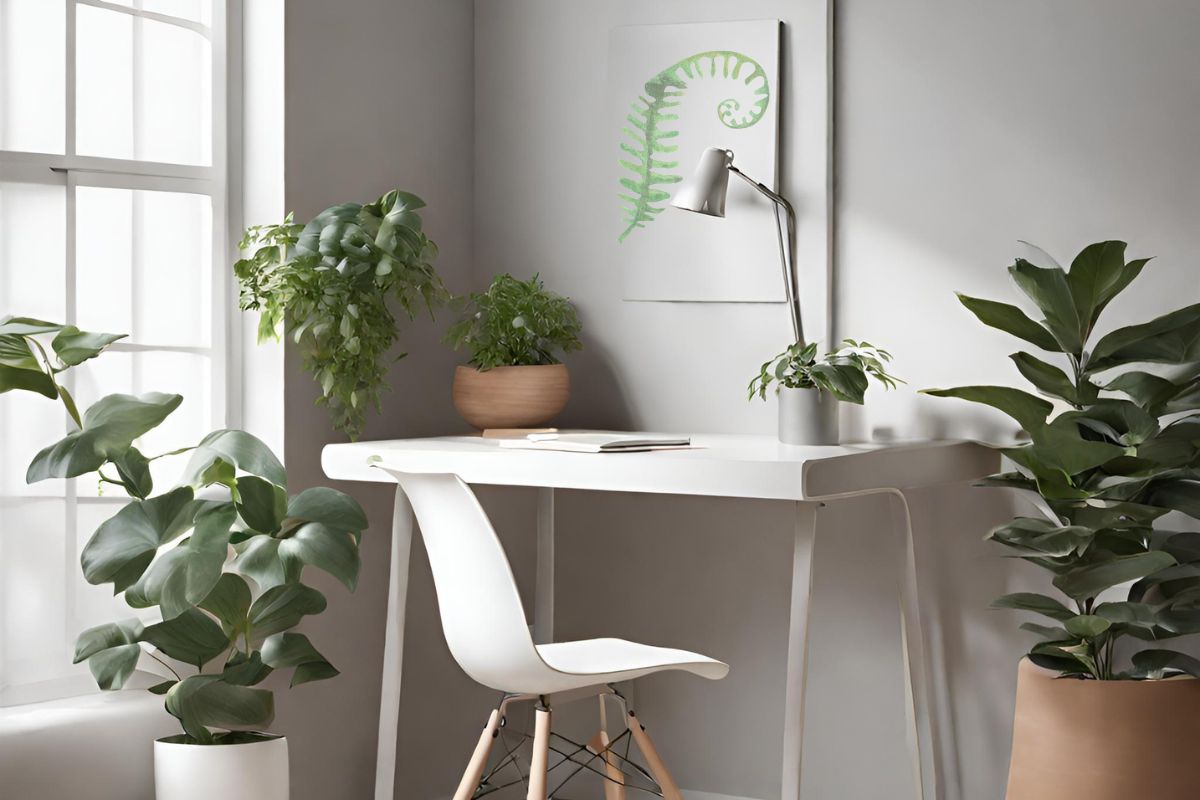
x: 723, y: 465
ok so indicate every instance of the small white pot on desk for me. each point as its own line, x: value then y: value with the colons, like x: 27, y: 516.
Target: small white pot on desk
x: 807, y: 417
x: 252, y: 770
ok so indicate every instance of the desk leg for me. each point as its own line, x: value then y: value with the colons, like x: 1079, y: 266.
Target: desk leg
x: 543, y: 595
x: 393, y: 648
x: 797, y: 660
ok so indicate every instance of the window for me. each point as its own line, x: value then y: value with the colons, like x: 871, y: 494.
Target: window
x: 113, y: 217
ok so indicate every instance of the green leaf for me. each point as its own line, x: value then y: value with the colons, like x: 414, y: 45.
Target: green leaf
x: 112, y: 668
x: 244, y: 451
x: 262, y: 505
x: 201, y: 701
x: 1010, y: 319
x: 1050, y: 292
x: 1047, y: 378
x: 185, y: 575
x: 74, y: 346
x: 1172, y: 338
x: 133, y: 469
x: 258, y: 559
x: 1042, y: 537
x: 108, y: 635
x: 123, y: 546
x: 325, y: 548
x: 1060, y: 655
x: 191, y: 637
x: 846, y: 382
x: 1129, y: 614
x: 295, y: 650
x: 26, y: 326
x: 1029, y: 411
x: 111, y: 651
x: 1087, y: 626
x: 282, y: 607
x: 229, y: 601
x: 1154, y: 664
x: 1090, y: 580
x: 161, y: 688
x: 1037, y: 603
x: 329, y: 507
x: 245, y: 671
x: 109, y: 428
x: 1177, y: 495
x: 20, y: 369
x: 1098, y: 274
x: 1049, y: 633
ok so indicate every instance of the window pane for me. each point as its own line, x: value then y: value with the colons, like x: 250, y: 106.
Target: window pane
x: 33, y: 590
x: 144, y: 89
x: 194, y: 10
x: 32, y: 250
x: 144, y: 264
x: 32, y: 69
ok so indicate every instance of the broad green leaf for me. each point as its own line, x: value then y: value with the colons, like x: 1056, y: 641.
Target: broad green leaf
x: 1059, y: 446
x: 262, y: 504
x: 1037, y: 603
x: 123, y: 546
x: 74, y: 346
x: 201, y: 701
x: 1177, y: 495
x: 1050, y: 292
x: 1098, y: 274
x: 1155, y: 664
x: 111, y: 668
x: 295, y: 650
x: 229, y: 601
x: 247, y: 453
x: 1049, y: 633
x: 133, y: 470
x: 109, y: 428
x: 282, y: 607
x: 191, y: 637
x: 1184, y: 546
x: 1131, y: 423
x: 1085, y: 664
x: 241, y: 670
x: 26, y: 380
x: 845, y: 382
x: 185, y: 575
x: 1172, y: 338
x: 26, y: 326
x: 1029, y: 411
x: 1047, y: 378
x: 1010, y: 319
x: 322, y: 547
x: 161, y: 688
x: 1087, y: 626
x: 258, y: 559
x: 111, y: 651
x: 1090, y: 580
x: 329, y: 507
x: 1042, y: 537
x: 108, y: 635
x: 1153, y: 392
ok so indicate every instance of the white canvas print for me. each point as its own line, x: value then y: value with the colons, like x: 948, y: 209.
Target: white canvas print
x: 676, y: 90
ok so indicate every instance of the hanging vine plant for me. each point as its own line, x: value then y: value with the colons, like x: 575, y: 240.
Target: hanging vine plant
x: 331, y: 286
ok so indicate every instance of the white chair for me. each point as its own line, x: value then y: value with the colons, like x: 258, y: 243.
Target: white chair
x: 484, y: 624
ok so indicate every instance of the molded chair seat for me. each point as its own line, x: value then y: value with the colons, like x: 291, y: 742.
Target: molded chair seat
x: 594, y: 661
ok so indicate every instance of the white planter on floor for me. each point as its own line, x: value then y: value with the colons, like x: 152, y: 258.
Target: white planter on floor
x: 807, y: 417
x: 252, y: 771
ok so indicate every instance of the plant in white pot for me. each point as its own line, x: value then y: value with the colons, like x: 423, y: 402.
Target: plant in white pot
x: 515, y: 332
x: 1112, y: 452
x: 215, y: 564
x: 809, y: 388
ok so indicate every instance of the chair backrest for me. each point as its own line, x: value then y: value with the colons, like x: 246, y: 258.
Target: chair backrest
x: 482, y: 616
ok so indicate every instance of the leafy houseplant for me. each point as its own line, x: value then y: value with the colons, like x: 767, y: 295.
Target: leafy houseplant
x: 220, y: 557
x: 330, y: 286
x: 809, y: 387
x: 514, y: 332
x: 1113, y: 450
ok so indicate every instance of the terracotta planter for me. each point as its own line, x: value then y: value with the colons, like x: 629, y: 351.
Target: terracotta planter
x: 511, y: 397
x: 1104, y: 740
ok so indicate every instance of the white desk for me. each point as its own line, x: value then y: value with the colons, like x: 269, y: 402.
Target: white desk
x: 756, y: 467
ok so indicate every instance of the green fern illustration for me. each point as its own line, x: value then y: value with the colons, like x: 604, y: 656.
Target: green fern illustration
x: 647, y: 153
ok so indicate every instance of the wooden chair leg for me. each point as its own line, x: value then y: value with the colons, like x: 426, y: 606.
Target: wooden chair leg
x: 614, y: 787
x: 540, y: 762
x: 479, y: 759
x: 654, y: 762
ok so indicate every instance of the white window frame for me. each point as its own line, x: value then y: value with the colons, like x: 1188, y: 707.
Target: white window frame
x: 218, y: 181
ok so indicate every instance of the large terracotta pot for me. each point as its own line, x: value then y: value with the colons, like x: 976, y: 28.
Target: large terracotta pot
x: 511, y: 397
x: 1104, y: 740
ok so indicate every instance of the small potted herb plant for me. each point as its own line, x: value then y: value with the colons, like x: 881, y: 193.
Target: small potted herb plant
x: 515, y: 332
x: 809, y: 388
x: 212, y: 569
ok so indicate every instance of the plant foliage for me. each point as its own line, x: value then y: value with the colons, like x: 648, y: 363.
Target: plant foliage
x: 1114, y: 449
x: 220, y: 556
x: 843, y: 372
x: 515, y: 323
x: 331, y: 285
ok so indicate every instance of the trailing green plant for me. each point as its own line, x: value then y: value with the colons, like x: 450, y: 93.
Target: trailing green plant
x: 220, y: 556
x: 330, y: 285
x: 648, y: 155
x: 844, y: 372
x: 1114, y: 450
x: 515, y: 323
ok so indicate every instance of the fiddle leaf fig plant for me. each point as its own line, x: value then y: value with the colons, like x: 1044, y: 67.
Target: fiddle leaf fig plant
x: 218, y: 560
x: 331, y: 286
x: 515, y: 323
x: 1114, y: 446
x: 844, y: 372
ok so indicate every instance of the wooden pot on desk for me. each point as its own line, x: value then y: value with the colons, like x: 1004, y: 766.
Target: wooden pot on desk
x: 511, y: 397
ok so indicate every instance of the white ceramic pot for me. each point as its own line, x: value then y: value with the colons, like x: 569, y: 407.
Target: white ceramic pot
x: 807, y: 417
x: 255, y: 770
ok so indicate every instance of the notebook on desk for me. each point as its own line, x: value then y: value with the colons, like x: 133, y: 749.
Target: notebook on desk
x: 597, y: 442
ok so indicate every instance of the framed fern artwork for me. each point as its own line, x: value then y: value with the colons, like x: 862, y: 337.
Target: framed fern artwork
x: 675, y: 90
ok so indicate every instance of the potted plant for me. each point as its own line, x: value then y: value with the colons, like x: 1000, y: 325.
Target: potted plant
x: 809, y: 388
x: 514, y: 332
x: 1114, y: 446
x: 215, y: 564
x: 330, y: 286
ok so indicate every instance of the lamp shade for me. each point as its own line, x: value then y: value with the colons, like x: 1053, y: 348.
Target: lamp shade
x: 704, y: 192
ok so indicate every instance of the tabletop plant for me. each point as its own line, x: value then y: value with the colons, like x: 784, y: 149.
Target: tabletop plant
x: 331, y: 285
x: 515, y: 323
x: 844, y: 372
x: 1114, y: 449
x: 220, y: 556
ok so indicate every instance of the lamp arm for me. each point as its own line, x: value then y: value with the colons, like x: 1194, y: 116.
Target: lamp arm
x: 787, y: 249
